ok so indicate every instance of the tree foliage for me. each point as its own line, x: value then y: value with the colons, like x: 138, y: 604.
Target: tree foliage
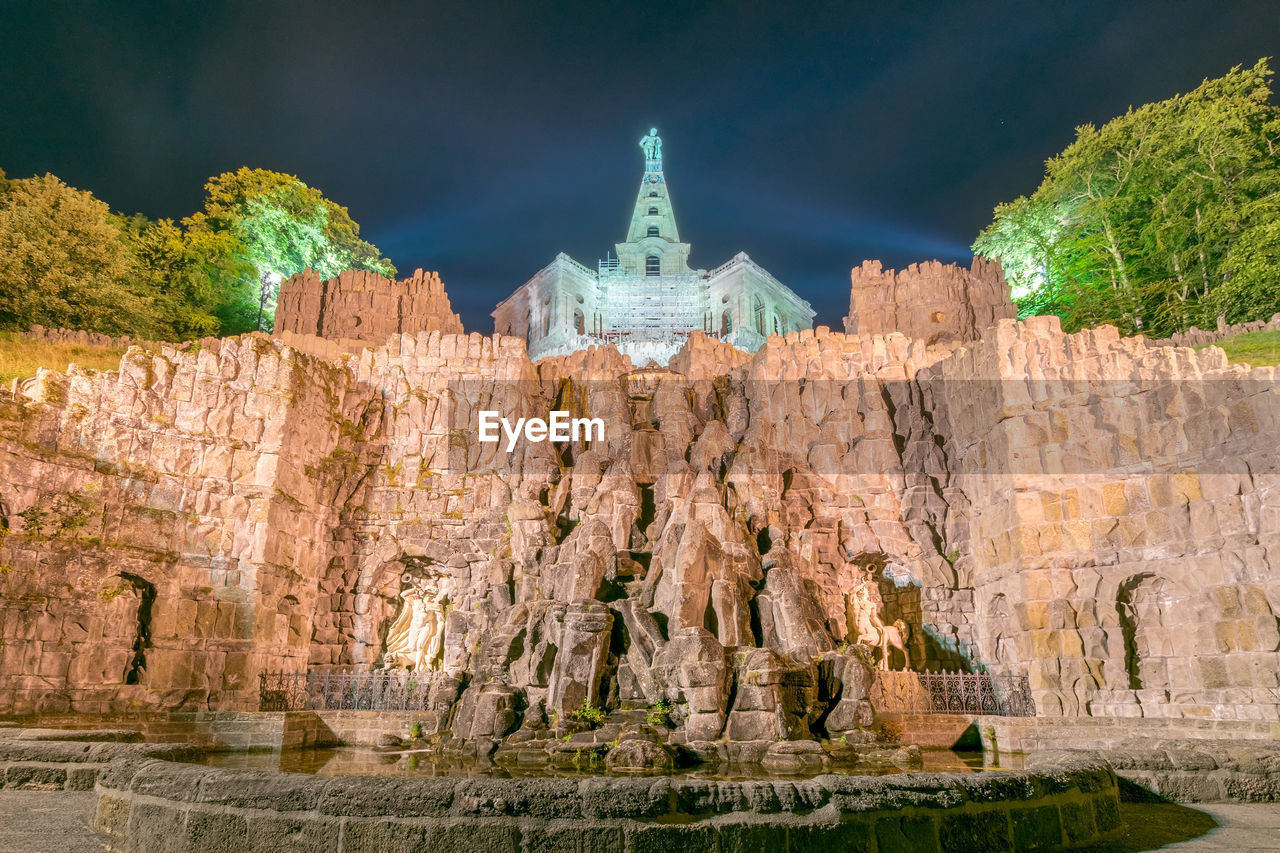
x: 283, y: 227
x: 67, y: 261
x: 1161, y: 219
x: 195, y: 277
x: 64, y: 261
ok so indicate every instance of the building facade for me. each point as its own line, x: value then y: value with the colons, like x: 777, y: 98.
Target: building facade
x: 643, y: 297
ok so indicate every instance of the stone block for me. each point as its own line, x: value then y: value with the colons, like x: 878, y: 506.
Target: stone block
x: 81, y: 777
x: 557, y: 836
x: 262, y: 790
x: 111, y: 816
x: 270, y: 833
x: 907, y: 834
x: 1078, y: 821
x: 1106, y: 814
x: 975, y: 831
x: 540, y: 798
x: 158, y: 828
x: 35, y: 777
x: 1037, y: 828
x: 669, y: 838
x: 361, y: 835
x: 215, y: 831
x: 625, y: 798
x: 366, y: 796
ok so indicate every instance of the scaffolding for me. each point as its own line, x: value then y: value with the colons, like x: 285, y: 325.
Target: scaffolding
x: 653, y: 307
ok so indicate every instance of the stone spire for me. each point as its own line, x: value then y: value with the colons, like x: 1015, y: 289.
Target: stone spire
x: 653, y: 204
x: 653, y: 242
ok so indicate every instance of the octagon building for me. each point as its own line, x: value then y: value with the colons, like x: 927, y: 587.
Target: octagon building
x: 643, y: 297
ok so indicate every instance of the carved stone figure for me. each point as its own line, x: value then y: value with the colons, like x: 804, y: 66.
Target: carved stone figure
x: 864, y: 605
x: 416, y: 637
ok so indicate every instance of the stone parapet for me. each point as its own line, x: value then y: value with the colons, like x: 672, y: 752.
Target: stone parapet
x: 1195, y: 337
x: 74, y: 765
x: 79, y: 337
x: 359, y: 309
x: 161, y: 807
x: 930, y: 301
x: 1188, y: 771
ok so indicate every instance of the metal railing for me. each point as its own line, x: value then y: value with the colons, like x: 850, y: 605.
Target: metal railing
x: 953, y: 693
x: 388, y: 690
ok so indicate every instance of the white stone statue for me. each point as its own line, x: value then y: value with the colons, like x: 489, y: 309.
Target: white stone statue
x: 865, y: 605
x: 416, y: 638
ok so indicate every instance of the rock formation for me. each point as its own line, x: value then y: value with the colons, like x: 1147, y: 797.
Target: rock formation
x: 359, y: 308
x: 935, y: 302
x: 1099, y: 513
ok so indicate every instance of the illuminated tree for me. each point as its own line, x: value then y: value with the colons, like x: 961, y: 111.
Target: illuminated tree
x: 284, y: 227
x: 1160, y: 219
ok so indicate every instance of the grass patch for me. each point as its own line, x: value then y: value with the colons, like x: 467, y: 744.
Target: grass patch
x: 20, y: 356
x: 1256, y: 349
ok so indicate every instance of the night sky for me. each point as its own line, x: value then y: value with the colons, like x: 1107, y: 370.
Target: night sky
x: 480, y: 139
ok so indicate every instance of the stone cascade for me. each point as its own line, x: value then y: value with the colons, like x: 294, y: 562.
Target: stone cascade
x: 277, y: 501
x: 932, y: 301
x: 359, y: 308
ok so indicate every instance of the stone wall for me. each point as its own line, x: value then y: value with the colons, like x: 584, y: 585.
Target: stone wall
x: 162, y: 523
x: 1194, y: 337
x: 73, y: 765
x: 1003, y: 735
x: 166, y: 808
x: 1096, y: 512
x: 935, y: 302
x: 359, y: 308
x: 82, y: 338
x: 1125, y: 519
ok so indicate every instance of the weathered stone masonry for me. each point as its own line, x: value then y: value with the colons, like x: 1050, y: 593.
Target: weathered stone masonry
x: 1098, y: 512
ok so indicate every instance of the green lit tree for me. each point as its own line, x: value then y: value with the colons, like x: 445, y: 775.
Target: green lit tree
x: 283, y: 227
x: 1160, y: 219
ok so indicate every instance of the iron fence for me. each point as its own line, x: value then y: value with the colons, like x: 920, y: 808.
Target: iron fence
x: 953, y: 693
x: 389, y: 690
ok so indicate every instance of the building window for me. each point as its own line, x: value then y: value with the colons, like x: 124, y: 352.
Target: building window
x: 579, y: 322
x: 759, y: 315
x: 653, y: 265
x: 653, y: 211
x: 653, y: 194
x: 652, y: 231
x: 726, y: 325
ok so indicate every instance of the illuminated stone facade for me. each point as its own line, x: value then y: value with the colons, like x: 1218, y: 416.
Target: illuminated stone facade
x: 644, y: 297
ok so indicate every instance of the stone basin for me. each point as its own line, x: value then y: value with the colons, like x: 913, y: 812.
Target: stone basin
x: 157, y: 806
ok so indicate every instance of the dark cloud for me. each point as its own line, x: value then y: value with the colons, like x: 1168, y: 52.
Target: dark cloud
x: 482, y: 138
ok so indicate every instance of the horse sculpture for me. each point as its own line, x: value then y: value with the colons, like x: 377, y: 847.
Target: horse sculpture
x: 886, y: 637
x: 872, y: 631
